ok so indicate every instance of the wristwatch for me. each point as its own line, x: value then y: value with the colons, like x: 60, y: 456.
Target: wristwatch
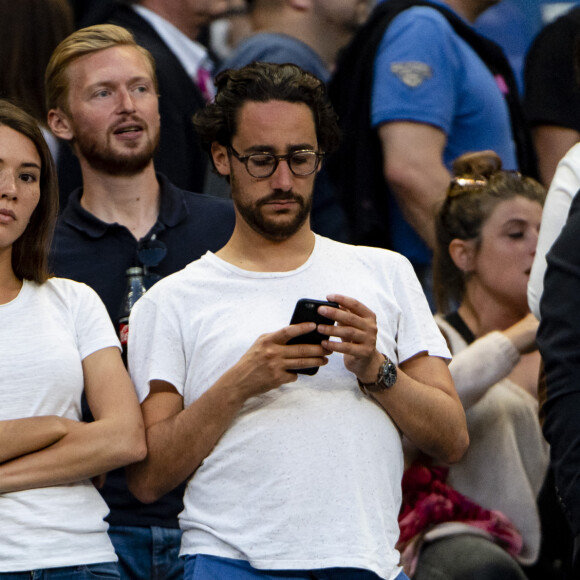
x: 386, y: 378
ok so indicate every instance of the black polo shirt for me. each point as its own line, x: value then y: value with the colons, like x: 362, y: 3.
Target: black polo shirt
x: 89, y: 250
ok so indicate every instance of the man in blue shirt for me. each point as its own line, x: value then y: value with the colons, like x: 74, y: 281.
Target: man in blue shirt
x: 436, y: 90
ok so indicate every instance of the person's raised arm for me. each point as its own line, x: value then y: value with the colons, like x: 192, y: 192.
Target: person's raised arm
x: 491, y: 358
x: 114, y: 439
x: 413, y: 168
x: 423, y: 402
x: 179, y: 439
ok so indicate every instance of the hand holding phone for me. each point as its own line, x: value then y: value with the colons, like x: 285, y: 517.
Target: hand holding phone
x: 306, y: 310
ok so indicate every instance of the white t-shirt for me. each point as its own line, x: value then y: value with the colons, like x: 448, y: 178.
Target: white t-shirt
x: 308, y: 475
x: 46, y: 332
x: 563, y: 189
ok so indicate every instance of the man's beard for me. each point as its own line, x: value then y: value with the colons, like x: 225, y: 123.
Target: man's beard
x: 104, y: 159
x: 271, y: 230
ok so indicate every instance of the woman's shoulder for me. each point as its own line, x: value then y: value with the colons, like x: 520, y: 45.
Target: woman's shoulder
x: 68, y: 293
x: 367, y: 254
x: 59, y: 285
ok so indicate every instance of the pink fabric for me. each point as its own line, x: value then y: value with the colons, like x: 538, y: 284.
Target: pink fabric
x: 204, y: 82
x: 502, y: 84
x: 428, y: 500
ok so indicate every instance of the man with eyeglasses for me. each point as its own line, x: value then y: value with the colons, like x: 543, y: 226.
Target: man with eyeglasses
x: 289, y: 475
x: 103, y: 101
x: 311, y: 36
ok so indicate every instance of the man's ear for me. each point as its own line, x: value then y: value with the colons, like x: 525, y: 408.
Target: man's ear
x: 301, y: 5
x: 220, y: 157
x: 462, y: 253
x: 59, y: 124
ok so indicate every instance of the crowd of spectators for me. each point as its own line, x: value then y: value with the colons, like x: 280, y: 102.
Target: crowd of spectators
x: 459, y: 149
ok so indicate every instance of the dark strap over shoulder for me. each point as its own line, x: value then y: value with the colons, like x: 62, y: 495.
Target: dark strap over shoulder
x: 356, y: 169
x: 458, y: 323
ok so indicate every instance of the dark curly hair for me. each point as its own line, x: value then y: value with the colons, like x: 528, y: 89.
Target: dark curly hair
x: 478, y: 187
x: 262, y: 82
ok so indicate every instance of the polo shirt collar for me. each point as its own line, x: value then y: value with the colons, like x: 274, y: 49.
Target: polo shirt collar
x: 172, y: 211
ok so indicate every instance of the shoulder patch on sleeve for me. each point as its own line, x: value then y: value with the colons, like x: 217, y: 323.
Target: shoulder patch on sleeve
x: 411, y: 73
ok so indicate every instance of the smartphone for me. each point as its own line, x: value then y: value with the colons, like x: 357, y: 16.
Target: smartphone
x: 306, y: 310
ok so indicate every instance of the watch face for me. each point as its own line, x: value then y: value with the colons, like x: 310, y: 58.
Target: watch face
x: 389, y: 374
x: 386, y: 378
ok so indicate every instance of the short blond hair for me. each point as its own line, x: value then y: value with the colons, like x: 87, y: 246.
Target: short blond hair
x: 81, y: 43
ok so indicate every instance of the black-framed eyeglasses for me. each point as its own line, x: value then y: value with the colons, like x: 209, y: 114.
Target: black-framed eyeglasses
x: 151, y: 253
x: 301, y: 163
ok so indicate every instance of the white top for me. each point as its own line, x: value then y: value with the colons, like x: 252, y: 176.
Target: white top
x: 46, y: 331
x: 563, y: 188
x: 308, y: 475
x: 505, y: 464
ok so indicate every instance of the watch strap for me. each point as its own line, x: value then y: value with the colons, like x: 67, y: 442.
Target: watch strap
x: 387, y: 371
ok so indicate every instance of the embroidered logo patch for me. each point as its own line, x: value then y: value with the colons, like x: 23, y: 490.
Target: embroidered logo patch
x: 411, y: 73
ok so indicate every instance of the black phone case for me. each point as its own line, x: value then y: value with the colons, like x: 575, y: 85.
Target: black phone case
x: 306, y: 310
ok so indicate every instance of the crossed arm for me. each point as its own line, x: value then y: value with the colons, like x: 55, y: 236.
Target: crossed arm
x: 22, y: 436
x: 423, y: 402
x: 58, y: 451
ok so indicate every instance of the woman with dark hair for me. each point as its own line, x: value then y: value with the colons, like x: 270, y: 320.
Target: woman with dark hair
x: 478, y: 518
x: 56, y: 340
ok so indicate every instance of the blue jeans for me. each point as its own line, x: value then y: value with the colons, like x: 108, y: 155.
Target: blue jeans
x: 108, y: 570
x: 147, y: 553
x: 202, y: 567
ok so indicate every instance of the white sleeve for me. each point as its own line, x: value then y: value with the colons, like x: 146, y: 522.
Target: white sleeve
x: 155, y: 347
x: 93, y: 327
x: 562, y: 191
x: 485, y: 362
x: 417, y: 331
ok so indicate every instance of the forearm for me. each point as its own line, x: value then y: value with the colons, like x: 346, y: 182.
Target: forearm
x: 21, y: 436
x: 414, y: 170
x: 432, y: 419
x: 177, y: 446
x: 418, y: 203
x: 480, y: 366
x: 422, y: 402
x: 87, y: 450
x: 179, y: 439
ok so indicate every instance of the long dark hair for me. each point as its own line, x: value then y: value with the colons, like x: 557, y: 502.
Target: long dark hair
x: 478, y: 187
x: 30, y: 250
